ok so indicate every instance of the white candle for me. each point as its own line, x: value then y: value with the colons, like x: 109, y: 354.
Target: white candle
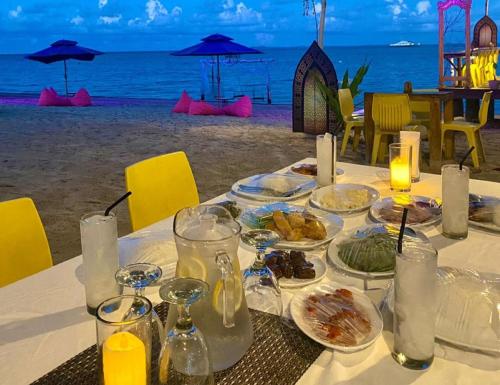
x: 334, y: 167
x: 412, y: 139
x: 324, y: 159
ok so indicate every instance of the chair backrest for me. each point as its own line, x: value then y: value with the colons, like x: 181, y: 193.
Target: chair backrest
x: 391, y: 112
x: 160, y: 187
x: 483, y: 110
x: 346, y: 103
x: 24, y: 249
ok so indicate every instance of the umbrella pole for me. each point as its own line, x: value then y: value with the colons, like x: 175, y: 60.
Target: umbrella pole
x: 66, y: 77
x: 218, y: 79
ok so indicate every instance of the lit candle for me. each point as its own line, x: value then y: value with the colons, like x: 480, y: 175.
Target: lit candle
x: 400, y: 174
x: 124, y: 360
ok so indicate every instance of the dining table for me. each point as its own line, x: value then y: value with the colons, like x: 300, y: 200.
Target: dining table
x: 44, y: 322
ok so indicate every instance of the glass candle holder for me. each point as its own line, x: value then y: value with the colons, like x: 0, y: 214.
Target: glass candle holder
x: 400, y: 167
x: 455, y: 195
x: 99, y: 236
x: 124, y: 340
x: 412, y: 139
x: 324, y: 157
x: 415, y: 306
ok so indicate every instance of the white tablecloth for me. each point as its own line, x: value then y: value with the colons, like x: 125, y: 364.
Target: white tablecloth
x: 43, y: 319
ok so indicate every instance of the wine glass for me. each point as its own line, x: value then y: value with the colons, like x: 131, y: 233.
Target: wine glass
x: 262, y: 290
x: 138, y: 276
x: 184, y: 357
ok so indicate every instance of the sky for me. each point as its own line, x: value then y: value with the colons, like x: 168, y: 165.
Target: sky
x: 150, y: 25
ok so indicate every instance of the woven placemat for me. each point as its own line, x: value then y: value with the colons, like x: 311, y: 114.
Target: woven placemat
x: 279, y: 355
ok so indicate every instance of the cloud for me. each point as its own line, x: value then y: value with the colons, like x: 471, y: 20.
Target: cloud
x: 239, y: 14
x: 264, y: 38
x: 102, y: 3
x: 134, y: 22
x: 423, y: 7
x: 77, y: 20
x: 396, y: 8
x: 14, y: 13
x: 176, y: 11
x: 155, y: 9
x: 110, y: 19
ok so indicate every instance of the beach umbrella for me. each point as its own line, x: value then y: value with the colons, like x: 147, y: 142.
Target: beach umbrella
x: 63, y: 50
x: 216, y: 45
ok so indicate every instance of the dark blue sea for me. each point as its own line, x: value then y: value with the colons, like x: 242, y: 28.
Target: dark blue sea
x: 161, y: 75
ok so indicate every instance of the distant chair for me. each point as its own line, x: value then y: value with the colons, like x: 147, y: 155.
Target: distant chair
x: 471, y: 130
x: 24, y: 249
x: 391, y: 113
x: 160, y: 187
x: 358, y: 122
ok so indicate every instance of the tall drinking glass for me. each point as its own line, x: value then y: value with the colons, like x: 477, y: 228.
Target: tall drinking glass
x: 415, y: 306
x: 124, y: 339
x: 99, y: 238
x: 412, y: 139
x: 455, y: 195
x: 400, y: 167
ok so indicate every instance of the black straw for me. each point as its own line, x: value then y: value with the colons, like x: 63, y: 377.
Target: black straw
x: 465, y: 157
x: 122, y: 198
x: 402, y: 230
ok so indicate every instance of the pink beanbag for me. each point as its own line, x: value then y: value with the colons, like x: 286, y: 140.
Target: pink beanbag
x: 49, y: 97
x: 81, y: 99
x: 203, y: 108
x: 182, y: 106
x: 242, y: 108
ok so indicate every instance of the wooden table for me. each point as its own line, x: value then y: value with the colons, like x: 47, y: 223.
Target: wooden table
x: 472, y: 98
x: 441, y: 104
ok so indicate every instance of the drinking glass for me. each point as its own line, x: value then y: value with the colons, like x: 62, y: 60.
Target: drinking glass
x: 138, y: 276
x: 184, y: 357
x: 400, y: 167
x: 262, y: 290
x: 124, y: 340
x: 412, y: 139
x: 415, y: 306
x: 455, y: 195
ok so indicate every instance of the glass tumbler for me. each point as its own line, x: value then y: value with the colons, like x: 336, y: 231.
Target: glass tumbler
x: 415, y: 283
x: 400, y: 167
x: 455, y: 195
x: 412, y: 138
x: 124, y: 340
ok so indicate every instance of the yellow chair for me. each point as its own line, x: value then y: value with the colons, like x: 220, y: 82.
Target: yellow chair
x: 24, y: 249
x: 391, y: 113
x: 347, y: 110
x: 471, y: 130
x: 160, y: 187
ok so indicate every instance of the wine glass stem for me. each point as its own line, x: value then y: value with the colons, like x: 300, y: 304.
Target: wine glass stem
x: 139, y: 291
x: 261, y: 253
x: 184, y: 321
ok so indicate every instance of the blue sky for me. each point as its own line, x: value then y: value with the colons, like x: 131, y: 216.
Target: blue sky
x: 122, y: 25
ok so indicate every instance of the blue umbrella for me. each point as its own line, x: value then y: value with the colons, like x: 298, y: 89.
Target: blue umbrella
x: 64, y: 50
x: 216, y: 45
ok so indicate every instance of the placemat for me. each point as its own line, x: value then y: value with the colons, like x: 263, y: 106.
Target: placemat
x: 279, y: 355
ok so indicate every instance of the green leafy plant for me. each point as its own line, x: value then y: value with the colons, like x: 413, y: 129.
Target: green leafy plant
x: 331, y: 95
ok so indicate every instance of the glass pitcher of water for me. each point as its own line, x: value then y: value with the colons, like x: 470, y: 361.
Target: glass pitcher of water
x: 207, y: 239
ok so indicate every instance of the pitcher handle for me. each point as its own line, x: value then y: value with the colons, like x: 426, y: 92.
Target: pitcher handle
x: 227, y: 275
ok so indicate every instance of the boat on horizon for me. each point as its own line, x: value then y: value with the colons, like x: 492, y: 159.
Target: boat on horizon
x: 404, y: 43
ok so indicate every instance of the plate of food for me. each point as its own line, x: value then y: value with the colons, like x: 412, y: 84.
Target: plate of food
x: 370, y: 251
x: 484, y: 212
x: 341, y: 318
x: 468, y: 308
x: 295, y: 268
x: 274, y: 187
x: 344, y: 198
x: 310, y: 170
x: 298, y: 227
x: 422, y: 211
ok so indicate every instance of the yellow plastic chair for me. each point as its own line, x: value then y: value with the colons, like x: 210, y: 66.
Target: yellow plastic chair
x: 24, y: 249
x: 347, y: 110
x: 471, y: 130
x: 391, y: 113
x: 160, y: 187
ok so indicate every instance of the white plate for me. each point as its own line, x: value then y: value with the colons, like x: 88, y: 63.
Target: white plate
x: 410, y: 236
x: 487, y: 203
x: 293, y: 283
x: 317, y: 196
x: 333, y: 225
x: 307, y: 185
x: 396, y: 204
x: 468, y: 308
x: 361, y: 300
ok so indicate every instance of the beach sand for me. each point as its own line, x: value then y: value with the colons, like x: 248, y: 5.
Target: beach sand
x: 71, y: 160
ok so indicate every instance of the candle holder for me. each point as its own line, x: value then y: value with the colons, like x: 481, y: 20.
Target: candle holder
x: 412, y: 139
x: 124, y: 335
x: 455, y: 193
x: 400, y: 167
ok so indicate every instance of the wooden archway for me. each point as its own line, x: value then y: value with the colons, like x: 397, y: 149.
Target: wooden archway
x: 310, y: 113
x: 485, y: 33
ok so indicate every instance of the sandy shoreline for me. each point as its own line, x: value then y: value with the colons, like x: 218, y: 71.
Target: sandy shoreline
x: 71, y: 160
